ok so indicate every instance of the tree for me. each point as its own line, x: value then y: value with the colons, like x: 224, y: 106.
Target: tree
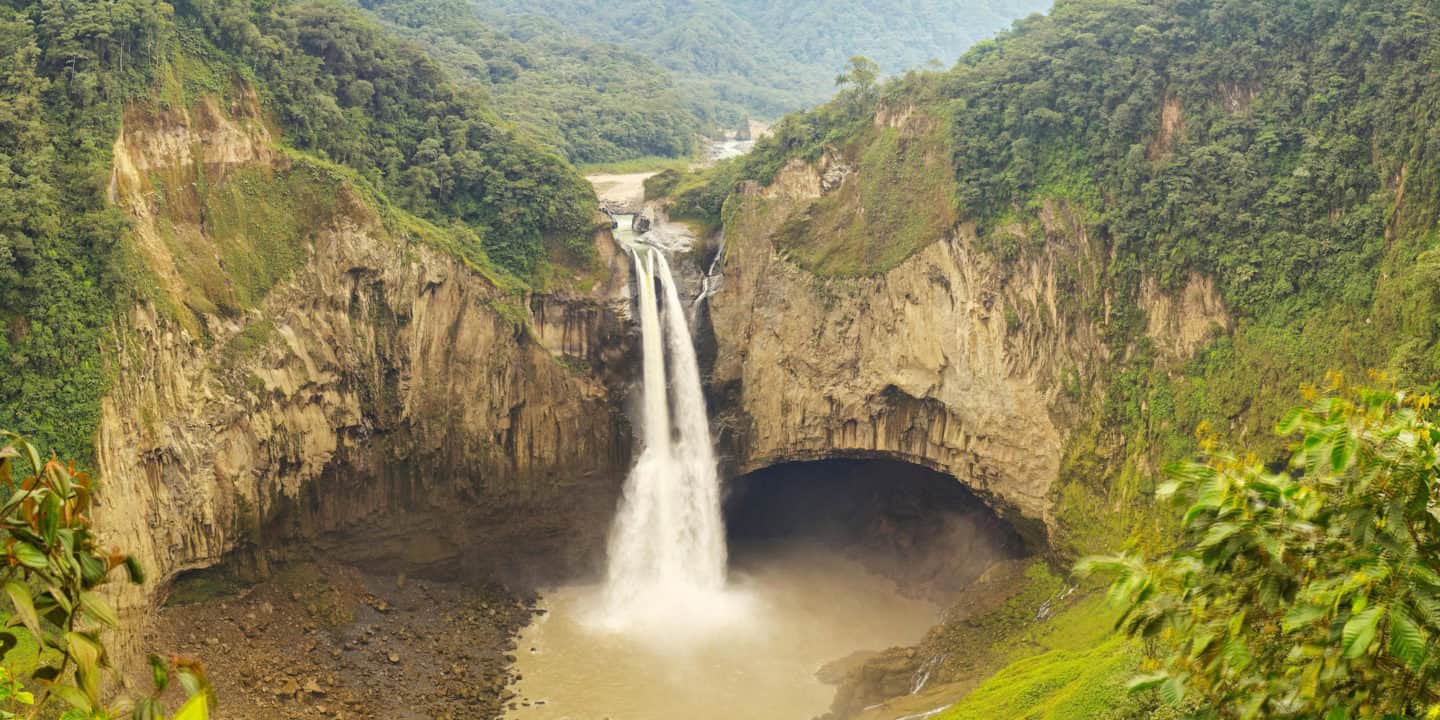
x: 860, y: 77
x: 1309, y: 592
x: 51, y: 565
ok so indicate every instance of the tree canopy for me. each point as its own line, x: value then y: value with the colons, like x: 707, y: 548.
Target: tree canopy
x: 1308, y: 591
x: 338, y: 87
x: 737, y: 58
x: 592, y: 100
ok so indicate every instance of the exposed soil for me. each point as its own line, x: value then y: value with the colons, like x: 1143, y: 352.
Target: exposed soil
x: 326, y: 641
x: 626, y: 189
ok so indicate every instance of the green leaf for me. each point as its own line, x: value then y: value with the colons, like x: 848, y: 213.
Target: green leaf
x: 1292, y: 421
x: 159, y: 673
x: 1359, y: 631
x: 1300, y: 616
x: 1237, y: 654
x: 25, y: 607
x: 98, y: 608
x: 50, y: 510
x: 1218, y: 533
x: 34, y: 456
x: 62, y: 600
x: 1172, y: 691
x: 1407, y: 640
x: 1145, y: 682
x: 1211, y: 492
x: 196, y: 708
x: 85, y: 651
x: 192, y: 684
x: 73, y: 696
x: 30, y: 556
x: 133, y: 569
x: 92, y: 569
x: 149, y: 709
x: 1342, y: 453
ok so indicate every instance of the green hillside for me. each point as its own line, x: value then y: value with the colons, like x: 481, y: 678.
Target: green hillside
x: 338, y: 89
x: 591, y: 99
x: 740, y: 58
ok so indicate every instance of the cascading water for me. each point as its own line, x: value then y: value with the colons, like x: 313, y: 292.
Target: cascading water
x: 667, y: 546
x: 668, y: 634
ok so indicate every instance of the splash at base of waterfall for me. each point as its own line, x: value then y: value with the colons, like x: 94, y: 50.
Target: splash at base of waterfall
x: 801, y: 608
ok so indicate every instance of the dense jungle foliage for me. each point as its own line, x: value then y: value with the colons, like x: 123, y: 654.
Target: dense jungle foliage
x: 738, y: 58
x: 591, y: 99
x: 338, y: 87
x: 1301, y: 592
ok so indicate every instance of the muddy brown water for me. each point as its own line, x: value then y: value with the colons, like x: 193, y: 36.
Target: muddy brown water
x: 792, y: 610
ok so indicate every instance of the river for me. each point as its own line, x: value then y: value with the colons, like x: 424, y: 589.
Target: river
x: 803, y: 607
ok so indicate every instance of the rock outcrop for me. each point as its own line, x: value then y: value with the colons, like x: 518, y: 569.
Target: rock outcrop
x: 381, y: 401
x: 953, y: 359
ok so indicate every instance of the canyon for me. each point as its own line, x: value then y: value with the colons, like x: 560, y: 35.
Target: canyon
x: 386, y: 405
x: 385, y: 409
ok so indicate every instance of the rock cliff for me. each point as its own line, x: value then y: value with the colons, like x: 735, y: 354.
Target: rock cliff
x: 373, y: 397
x: 954, y: 358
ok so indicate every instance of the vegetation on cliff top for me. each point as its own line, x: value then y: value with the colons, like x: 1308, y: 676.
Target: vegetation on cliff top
x: 338, y: 87
x: 345, y: 90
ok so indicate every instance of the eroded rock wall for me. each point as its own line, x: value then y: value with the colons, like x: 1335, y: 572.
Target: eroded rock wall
x: 382, y: 403
x: 954, y: 359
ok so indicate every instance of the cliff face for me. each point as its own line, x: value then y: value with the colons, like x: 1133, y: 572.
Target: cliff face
x: 372, y: 397
x: 952, y: 358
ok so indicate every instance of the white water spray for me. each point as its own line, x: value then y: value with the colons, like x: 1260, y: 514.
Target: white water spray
x: 667, y: 546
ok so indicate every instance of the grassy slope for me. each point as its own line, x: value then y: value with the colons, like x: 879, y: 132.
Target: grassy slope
x: 899, y: 199
x: 1070, y: 666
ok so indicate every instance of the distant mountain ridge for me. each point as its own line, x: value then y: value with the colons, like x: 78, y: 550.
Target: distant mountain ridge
x: 764, y: 58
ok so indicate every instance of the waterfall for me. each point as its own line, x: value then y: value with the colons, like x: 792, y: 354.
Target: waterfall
x: 667, y: 545
x: 707, y: 283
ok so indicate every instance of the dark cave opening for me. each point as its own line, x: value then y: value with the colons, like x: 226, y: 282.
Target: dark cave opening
x: 921, y: 528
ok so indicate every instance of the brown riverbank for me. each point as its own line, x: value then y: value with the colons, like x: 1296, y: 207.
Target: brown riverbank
x: 328, y: 641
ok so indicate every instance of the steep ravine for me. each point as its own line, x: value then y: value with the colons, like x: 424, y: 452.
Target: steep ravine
x: 380, y: 401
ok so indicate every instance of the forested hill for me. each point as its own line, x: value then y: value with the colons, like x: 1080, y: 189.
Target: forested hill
x: 591, y: 99
x: 733, y: 58
x: 346, y: 98
x: 1285, y: 151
